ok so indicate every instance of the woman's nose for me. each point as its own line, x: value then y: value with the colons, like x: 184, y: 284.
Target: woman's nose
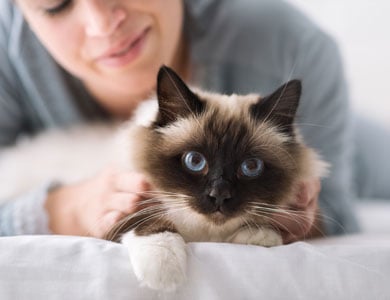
x: 102, y: 17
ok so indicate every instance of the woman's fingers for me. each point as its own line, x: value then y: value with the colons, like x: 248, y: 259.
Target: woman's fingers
x: 308, y: 191
x: 126, y: 203
x: 296, y: 219
x: 296, y: 224
x: 130, y: 182
x: 109, y: 220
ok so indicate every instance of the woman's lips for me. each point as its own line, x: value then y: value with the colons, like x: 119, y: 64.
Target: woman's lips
x: 126, y: 53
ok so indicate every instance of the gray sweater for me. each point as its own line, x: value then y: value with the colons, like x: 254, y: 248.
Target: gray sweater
x: 236, y: 46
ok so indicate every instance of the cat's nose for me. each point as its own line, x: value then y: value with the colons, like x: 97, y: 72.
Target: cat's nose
x: 220, y: 192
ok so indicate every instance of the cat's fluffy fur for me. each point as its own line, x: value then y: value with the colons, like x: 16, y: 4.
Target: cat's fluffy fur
x: 218, y: 203
x: 63, y: 155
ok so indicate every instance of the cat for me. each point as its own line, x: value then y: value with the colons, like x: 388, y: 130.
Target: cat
x: 218, y: 164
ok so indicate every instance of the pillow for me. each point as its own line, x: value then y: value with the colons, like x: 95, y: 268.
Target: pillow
x: 61, y: 267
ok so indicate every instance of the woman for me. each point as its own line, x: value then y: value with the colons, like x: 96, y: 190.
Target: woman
x: 74, y: 61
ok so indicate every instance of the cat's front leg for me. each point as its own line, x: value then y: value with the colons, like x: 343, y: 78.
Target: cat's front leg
x: 158, y: 259
x: 256, y: 236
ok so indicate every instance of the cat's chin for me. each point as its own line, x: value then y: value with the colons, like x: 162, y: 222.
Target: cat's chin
x: 218, y: 218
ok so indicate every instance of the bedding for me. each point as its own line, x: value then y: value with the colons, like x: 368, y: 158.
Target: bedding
x: 61, y: 267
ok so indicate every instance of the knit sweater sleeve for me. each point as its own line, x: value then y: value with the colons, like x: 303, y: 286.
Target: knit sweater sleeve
x: 26, y: 214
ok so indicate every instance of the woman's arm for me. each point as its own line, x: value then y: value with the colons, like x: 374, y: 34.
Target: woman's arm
x: 326, y: 125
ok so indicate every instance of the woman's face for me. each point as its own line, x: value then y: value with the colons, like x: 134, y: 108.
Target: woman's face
x: 112, y: 45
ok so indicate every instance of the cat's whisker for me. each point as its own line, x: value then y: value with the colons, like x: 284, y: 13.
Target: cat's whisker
x: 150, y: 212
x: 281, y: 211
x: 148, y: 209
x: 264, y: 204
x: 276, y: 208
x: 158, y: 200
x: 273, y: 226
x: 164, y: 192
x: 270, y: 221
x: 158, y: 215
x: 147, y: 193
x: 146, y: 219
x: 176, y: 204
x: 249, y: 225
x: 157, y: 191
x: 151, y: 209
x: 266, y: 214
x: 129, y: 217
x: 162, y: 206
x: 292, y: 211
x: 312, y: 125
x: 122, y: 226
x: 124, y: 220
x: 284, y: 213
x: 277, y: 225
x: 144, y: 211
x: 297, y: 217
x: 331, y: 220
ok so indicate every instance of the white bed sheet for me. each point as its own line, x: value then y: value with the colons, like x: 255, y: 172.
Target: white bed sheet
x: 59, y: 267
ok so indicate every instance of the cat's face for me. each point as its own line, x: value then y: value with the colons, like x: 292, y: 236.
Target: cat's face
x: 222, y: 155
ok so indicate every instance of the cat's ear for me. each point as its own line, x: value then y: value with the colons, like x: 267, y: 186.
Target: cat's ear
x: 280, y: 107
x: 175, y: 99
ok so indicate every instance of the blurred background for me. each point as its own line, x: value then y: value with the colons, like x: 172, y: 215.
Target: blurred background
x: 362, y: 30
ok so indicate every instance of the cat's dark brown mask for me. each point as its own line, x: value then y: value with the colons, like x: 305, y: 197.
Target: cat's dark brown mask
x: 222, y: 154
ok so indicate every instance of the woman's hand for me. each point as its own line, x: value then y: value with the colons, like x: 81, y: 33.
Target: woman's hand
x: 301, y: 218
x: 92, y: 207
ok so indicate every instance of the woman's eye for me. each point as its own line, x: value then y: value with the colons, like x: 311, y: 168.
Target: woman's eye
x: 251, y: 168
x: 59, y: 8
x: 195, y: 162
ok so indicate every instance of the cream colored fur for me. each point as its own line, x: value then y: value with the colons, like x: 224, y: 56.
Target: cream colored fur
x: 69, y: 155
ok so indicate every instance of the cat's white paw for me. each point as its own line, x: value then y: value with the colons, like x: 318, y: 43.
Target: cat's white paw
x: 262, y: 237
x: 159, y: 260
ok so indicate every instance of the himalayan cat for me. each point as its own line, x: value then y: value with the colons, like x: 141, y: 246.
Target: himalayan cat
x: 219, y: 166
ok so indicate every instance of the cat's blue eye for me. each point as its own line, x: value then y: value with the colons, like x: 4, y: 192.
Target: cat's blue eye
x: 195, y: 162
x: 251, y: 167
x: 59, y: 8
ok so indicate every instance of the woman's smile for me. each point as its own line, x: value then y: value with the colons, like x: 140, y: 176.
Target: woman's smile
x: 126, y: 52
